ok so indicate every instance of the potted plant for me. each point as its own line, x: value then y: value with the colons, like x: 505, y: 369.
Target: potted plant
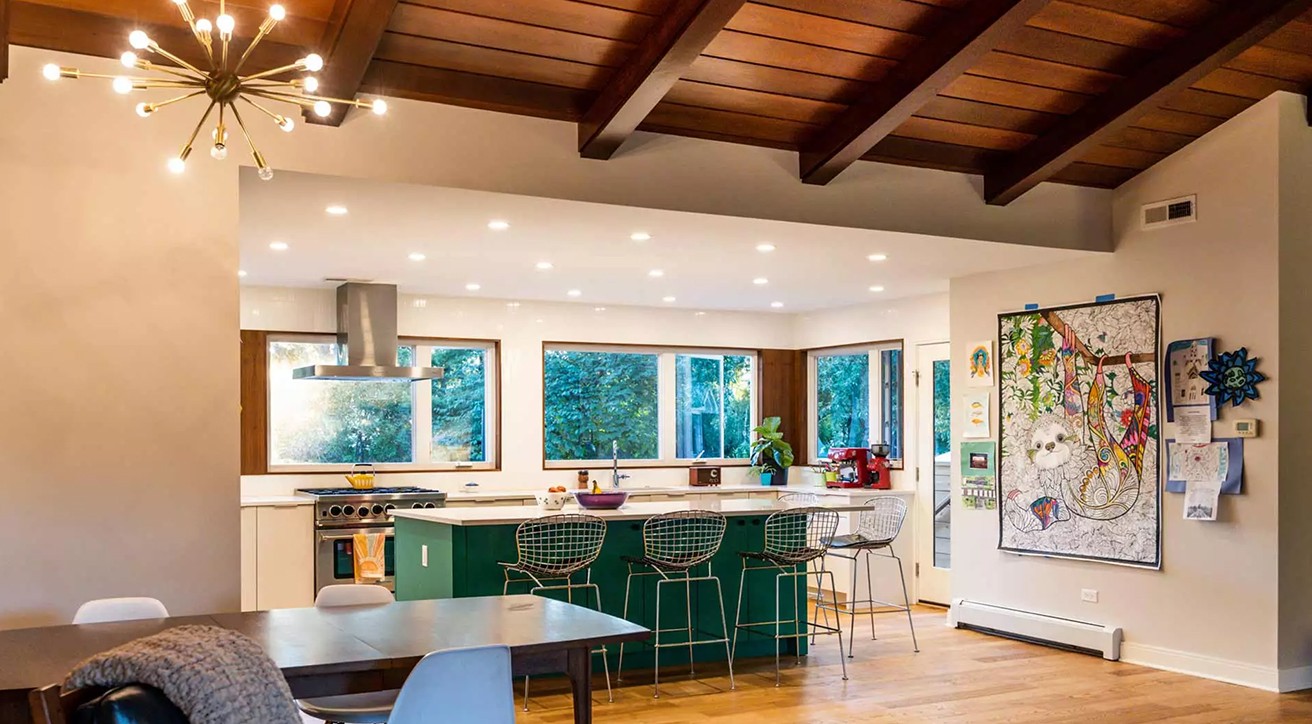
x: 770, y: 455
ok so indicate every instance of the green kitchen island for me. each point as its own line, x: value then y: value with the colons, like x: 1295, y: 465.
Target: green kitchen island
x: 455, y: 552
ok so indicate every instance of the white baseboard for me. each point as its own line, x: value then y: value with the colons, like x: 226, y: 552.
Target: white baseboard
x: 1210, y: 667
x: 1295, y: 679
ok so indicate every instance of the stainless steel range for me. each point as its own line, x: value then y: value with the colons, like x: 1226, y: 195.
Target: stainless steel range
x: 340, y: 513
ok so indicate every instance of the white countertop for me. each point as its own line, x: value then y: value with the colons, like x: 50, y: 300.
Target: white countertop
x: 279, y: 501
x: 491, y: 494
x: 631, y: 511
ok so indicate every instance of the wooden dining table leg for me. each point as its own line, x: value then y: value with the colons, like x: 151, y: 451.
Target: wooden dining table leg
x: 579, y: 669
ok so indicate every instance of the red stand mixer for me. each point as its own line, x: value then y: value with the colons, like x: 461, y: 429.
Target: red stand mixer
x: 860, y: 467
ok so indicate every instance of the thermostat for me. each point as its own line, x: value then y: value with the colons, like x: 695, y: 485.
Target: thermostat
x: 1246, y: 428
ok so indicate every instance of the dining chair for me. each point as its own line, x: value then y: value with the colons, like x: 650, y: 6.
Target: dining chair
x: 793, y: 539
x: 550, y: 551
x: 370, y: 707
x: 877, y: 527
x: 458, y: 685
x: 104, y: 610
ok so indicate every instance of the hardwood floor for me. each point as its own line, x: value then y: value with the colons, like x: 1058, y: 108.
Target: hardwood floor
x: 958, y: 676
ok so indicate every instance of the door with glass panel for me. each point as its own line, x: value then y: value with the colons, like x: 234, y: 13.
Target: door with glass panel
x: 934, y: 474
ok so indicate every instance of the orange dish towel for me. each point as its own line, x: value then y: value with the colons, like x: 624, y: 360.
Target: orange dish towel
x: 370, y: 557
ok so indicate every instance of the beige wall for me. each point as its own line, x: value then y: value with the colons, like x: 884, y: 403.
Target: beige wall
x: 1212, y: 608
x: 1296, y: 394
x: 118, y: 310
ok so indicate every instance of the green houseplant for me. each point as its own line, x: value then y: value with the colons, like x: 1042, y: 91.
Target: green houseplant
x: 771, y: 456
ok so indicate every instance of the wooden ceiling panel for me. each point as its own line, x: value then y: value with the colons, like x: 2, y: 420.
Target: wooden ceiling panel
x: 932, y: 154
x: 931, y: 129
x: 824, y: 32
x: 647, y: 7
x: 505, y: 35
x: 1015, y: 95
x: 575, y: 17
x: 989, y: 115
x: 1187, y: 124
x: 1109, y: 27
x: 1180, y: 13
x: 773, y: 52
x: 1208, y: 104
x: 1145, y: 139
x: 727, y: 123
x: 769, y: 105
x: 1044, y: 44
x: 910, y: 17
x: 718, y: 71
x: 1044, y: 73
x: 1090, y: 174
x: 1277, y: 63
x: 504, y: 95
x: 1295, y: 37
x: 1123, y: 157
x: 415, y: 50
x: 1247, y: 85
x: 304, y: 26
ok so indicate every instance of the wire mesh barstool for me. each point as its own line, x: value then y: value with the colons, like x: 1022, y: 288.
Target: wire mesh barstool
x: 550, y: 551
x: 877, y: 527
x: 673, y: 545
x: 799, y: 500
x: 793, y: 539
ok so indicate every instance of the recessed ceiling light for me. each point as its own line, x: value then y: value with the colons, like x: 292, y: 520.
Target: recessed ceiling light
x: 512, y: 305
x: 699, y: 314
x: 241, y: 272
x: 417, y: 256
x: 776, y: 305
x: 760, y: 281
x: 876, y: 288
x: 473, y: 287
x: 420, y: 303
x: 667, y: 300
x: 336, y: 210
x: 279, y: 246
x: 544, y: 265
x: 640, y: 236
x: 656, y: 273
x: 878, y: 257
x: 765, y: 248
x: 598, y: 309
x: 498, y: 225
x: 574, y: 293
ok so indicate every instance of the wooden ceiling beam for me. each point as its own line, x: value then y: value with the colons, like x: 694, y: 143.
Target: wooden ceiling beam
x: 931, y: 66
x: 4, y: 40
x: 470, y: 90
x: 348, y: 47
x: 1237, y: 27
x: 663, y: 56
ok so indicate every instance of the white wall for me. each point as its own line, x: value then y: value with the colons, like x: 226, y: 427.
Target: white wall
x: 1212, y: 609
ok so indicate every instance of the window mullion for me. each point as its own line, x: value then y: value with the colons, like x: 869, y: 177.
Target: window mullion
x: 422, y: 412
x: 666, y: 413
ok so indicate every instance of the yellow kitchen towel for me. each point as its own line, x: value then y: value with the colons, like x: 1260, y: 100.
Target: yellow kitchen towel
x: 370, y: 557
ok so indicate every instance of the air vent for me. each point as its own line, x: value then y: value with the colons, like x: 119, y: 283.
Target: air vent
x: 1171, y: 212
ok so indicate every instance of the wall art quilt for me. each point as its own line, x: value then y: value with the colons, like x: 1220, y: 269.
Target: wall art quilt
x: 1078, y: 415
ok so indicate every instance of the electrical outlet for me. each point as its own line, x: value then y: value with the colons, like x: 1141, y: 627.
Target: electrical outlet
x: 1088, y: 595
x: 423, y: 556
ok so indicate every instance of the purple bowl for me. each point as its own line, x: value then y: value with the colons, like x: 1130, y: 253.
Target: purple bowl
x: 602, y: 501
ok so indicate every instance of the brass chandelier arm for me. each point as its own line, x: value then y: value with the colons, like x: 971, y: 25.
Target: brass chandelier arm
x: 186, y: 150
x: 277, y: 118
x: 171, y: 101
x: 154, y: 47
x: 265, y: 28
x: 283, y: 98
x: 308, y: 100
x: 289, y: 68
x: 179, y: 72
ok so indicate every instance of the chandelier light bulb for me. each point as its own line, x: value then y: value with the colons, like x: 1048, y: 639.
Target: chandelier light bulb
x: 277, y: 12
x: 50, y: 71
x: 265, y: 173
x: 311, y: 84
x: 139, y: 40
x: 218, y: 152
x: 122, y: 85
x: 287, y: 124
x: 313, y: 62
x: 204, y: 26
x: 128, y: 59
x: 379, y: 107
x: 177, y: 165
x: 214, y: 135
x: 322, y: 109
x: 145, y: 109
x: 225, y: 24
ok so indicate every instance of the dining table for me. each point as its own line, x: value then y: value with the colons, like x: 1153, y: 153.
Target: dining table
x: 348, y: 649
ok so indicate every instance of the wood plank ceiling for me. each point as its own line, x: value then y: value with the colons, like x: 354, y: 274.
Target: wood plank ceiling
x: 1086, y: 92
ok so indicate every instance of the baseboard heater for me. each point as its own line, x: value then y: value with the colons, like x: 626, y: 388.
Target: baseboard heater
x: 1062, y: 633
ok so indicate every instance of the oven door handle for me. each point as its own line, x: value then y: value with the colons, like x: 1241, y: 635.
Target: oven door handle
x: 323, y: 537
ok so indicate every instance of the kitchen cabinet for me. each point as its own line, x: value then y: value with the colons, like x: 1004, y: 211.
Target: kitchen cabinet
x: 277, y: 554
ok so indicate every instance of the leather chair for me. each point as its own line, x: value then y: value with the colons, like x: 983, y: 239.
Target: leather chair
x: 130, y: 704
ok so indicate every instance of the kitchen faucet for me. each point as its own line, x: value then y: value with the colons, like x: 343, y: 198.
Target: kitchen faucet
x: 615, y: 476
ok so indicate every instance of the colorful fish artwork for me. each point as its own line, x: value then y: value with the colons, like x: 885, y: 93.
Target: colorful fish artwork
x: 1078, y: 460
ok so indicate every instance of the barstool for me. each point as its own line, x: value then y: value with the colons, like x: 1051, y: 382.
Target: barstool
x: 551, y: 550
x: 877, y: 527
x: 672, y: 545
x: 793, y: 538
x: 799, y: 500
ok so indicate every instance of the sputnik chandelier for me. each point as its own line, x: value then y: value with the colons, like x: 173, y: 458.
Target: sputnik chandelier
x: 223, y: 85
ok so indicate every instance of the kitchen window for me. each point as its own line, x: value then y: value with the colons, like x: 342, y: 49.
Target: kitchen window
x: 855, y: 397
x: 395, y: 424
x: 663, y: 406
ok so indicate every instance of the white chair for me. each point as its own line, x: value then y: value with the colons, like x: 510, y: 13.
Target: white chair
x: 133, y: 608
x: 458, y: 685
x: 372, y: 707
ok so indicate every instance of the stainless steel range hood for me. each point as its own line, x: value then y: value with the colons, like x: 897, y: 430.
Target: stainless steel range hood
x: 366, y: 328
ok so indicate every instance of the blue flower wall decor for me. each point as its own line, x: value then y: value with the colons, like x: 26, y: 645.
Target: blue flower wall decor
x: 1233, y: 376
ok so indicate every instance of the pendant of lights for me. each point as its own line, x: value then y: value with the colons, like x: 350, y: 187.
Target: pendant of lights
x: 222, y: 84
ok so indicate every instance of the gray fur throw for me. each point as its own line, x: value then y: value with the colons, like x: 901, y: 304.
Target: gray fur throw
x: 215, y: 676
